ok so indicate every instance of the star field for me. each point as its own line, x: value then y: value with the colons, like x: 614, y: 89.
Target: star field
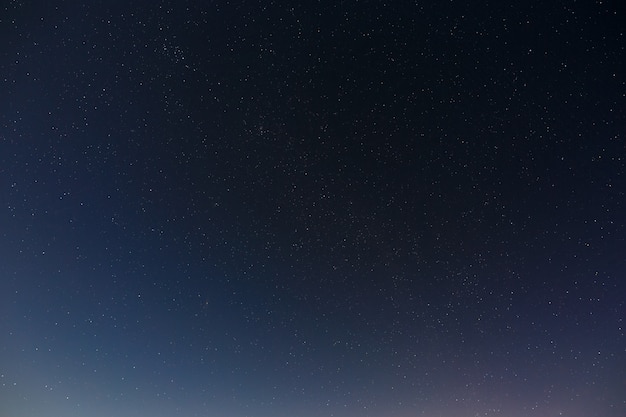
x: 348, y: 208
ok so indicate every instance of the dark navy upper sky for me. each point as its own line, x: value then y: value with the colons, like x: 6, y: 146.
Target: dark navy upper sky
x: 321, y: 208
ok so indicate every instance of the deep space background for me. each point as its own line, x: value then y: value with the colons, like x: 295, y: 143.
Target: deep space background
x: 312, y: 208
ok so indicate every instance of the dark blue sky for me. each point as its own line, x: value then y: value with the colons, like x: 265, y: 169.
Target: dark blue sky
x: 351, y: 208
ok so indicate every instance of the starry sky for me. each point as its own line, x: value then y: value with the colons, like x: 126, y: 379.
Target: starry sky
x: 312, y: 208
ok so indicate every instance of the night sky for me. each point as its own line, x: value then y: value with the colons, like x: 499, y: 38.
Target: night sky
x: 312, y: 208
